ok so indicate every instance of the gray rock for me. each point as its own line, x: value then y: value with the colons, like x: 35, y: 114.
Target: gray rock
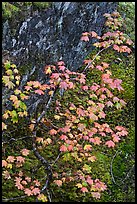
x: 55, y: 34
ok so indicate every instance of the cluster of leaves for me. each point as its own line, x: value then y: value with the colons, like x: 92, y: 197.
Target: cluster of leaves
x: 80, y: 125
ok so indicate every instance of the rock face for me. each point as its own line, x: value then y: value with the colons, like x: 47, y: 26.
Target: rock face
x: 54, y: 34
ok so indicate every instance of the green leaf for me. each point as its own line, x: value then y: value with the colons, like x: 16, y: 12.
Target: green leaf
x: 23, y: 105
x: 7, y: 65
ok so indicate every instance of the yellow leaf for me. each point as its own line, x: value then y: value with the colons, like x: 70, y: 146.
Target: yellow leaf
x: 9, y: 166
x: 79, y: 185
x: 31, y: 127
x: 51, y: 92
x: 4, y: 126
x: 13, y: 66
x: 57, y: 117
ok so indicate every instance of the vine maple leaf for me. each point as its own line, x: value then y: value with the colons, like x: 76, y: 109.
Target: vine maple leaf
x: 84, y: 38
x: 28, y: 179
x: 84, y: 189
x: 65, y: 129
x: 116, y: 138
x: 52, y: 132
x: 28, y: 192
x: 62, y: 68
x: 81, y: 126
x: 6, y: 174
x: 110, y: 143
x: 70, y: 148
x: 87, y: 147
x: 58, y: 182
x: 40, y: 92
x: 63, y: 85
x: 80, y: 112
x: 20, y: 159
x: 63, y: 137
x: 25, y: 152
x: 4, y: 163
x: 89, y: 181
x: 24, y: 182
x: 36, y: 191
x: 63, y: 148
x: 96, y: 195
x: 109, y: 103
x: 28, y: 88
x: 37, y: 183
x: 10, y: 159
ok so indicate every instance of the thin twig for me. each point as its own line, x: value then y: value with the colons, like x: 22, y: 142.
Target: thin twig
x: 7, y: 199
x: 111, y: 166
x: 95, y: 58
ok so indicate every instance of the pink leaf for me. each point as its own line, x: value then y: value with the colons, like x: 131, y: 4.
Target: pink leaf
x: 84, y: 189
x: 63, y: 137
x: 110, y: 143
x: 40, y: 92
x: 63, y: 148
x: 84, y: 38
x: 96, y: 195
x: 28, y: 192
x: 36, y: 191
x: 63, y: 85
x: 25, y: 152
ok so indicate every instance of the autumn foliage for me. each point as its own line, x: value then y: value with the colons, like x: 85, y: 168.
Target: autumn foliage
x: 76, y: 128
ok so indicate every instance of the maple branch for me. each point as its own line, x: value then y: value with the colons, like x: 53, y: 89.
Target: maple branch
x: 7, y: 199
x: 111, y: 166
x: 46, y: 107
x: 95, y: 58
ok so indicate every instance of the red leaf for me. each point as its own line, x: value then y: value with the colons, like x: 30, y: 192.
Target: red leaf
x: 70, y: 147
x: 94, y: 34
x: 81, y: 127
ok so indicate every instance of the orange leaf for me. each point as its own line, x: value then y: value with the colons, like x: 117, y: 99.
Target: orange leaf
x: 52, y: 132
x: 58, y: 182
x: 4, y: 163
